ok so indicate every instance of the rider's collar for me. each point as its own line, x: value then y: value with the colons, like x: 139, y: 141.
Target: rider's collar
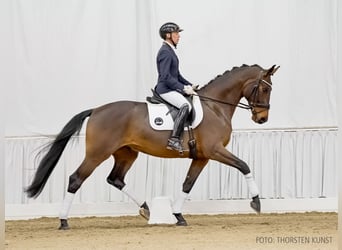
x: 171, y: 45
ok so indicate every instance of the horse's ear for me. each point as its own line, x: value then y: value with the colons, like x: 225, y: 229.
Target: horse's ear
x: 272, y: 70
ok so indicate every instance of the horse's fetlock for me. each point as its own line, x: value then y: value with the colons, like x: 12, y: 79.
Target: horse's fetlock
x: 188, y: 186
x: 119, y: 184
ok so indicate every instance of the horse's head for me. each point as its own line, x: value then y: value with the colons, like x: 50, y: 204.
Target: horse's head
x: 258, y: 92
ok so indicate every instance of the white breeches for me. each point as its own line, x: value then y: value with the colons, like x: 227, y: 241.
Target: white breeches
x: 175, y: 98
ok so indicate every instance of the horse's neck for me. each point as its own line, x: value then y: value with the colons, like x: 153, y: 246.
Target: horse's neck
x: 227, y: 89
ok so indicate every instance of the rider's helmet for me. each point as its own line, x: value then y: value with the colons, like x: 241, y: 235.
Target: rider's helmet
x: 168, y: 28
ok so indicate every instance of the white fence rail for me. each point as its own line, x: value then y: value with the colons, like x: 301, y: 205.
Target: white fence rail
x: 287, y: 164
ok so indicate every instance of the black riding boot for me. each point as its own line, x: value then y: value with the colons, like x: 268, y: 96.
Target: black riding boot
x: 175, y: 142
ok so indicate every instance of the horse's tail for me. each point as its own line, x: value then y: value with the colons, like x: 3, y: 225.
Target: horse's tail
x: 50, y: 160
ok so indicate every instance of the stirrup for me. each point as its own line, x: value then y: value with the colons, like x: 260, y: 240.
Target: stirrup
x: 175, y: 144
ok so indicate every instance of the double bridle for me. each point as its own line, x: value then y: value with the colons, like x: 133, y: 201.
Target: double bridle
x: 254, y: 94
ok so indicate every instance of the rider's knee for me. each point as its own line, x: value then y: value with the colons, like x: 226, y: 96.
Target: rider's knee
x: 186, y: 106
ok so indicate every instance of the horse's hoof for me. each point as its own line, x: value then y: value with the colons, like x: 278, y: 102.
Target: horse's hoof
x: 64, y: 225
x: 255, y: 204
x: 181, y: 223
x: 180, y: 220
x: 144, y: 211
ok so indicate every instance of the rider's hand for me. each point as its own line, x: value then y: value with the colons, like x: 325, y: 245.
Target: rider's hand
x: 195, y: 87
x: 189, y: 90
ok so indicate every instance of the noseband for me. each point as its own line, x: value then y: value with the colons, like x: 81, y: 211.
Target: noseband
x: 255, y: 93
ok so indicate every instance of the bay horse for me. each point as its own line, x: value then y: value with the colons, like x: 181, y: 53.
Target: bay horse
x: 121, y: 129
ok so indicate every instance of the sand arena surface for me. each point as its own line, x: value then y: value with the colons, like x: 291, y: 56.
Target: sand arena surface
x: 265, y: 231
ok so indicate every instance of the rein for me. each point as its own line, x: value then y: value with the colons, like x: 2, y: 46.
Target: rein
x: 252, y: 104
x: 239, y: 105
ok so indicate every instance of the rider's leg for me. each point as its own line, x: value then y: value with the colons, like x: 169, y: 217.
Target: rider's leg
x: 177, y: 99
x: 174, y: 142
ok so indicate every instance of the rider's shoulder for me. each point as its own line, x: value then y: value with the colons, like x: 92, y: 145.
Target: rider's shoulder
x: 165, y: 51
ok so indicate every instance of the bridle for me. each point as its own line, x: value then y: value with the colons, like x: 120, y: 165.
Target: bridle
x: 255, y: 93
x: 251, y: 104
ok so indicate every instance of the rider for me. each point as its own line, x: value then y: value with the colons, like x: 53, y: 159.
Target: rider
x: 171, y: 84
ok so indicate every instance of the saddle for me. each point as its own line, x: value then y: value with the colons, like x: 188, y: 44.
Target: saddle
x: 173, y: 111
x: 156, y: 99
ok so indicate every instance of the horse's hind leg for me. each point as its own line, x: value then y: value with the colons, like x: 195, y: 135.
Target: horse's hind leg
x: 75, y: 182
x: 124, y: 158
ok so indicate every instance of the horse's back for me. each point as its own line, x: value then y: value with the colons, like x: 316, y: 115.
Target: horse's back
x: 114, y: 106
x: 124, y: 123
x: 112, y: 113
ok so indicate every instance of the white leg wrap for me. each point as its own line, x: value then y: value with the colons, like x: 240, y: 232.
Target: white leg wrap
x: 252, y: 187
x: 126, y: 190
x: 69, y: 197
x: 178, y: 204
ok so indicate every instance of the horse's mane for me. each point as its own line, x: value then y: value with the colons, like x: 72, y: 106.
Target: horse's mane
x: 234, y: 69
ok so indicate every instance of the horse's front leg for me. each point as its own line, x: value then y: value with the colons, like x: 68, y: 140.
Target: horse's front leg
x: 190, y: 179
x: 222, y: 155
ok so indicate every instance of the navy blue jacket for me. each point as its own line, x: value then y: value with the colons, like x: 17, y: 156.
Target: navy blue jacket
x: 169, y: 77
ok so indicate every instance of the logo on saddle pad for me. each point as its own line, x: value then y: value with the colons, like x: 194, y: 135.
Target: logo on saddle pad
x: 160, y: 117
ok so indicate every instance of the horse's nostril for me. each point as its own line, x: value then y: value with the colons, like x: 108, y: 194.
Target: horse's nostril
x: 262, y: 120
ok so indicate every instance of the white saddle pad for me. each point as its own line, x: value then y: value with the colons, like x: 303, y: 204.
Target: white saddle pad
x: 161, y: 119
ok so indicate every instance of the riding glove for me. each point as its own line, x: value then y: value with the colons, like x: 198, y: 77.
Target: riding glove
x: 189, y: 90
x: 195, y: 87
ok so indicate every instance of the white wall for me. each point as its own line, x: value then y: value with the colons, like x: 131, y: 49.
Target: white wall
x: 72, y: 55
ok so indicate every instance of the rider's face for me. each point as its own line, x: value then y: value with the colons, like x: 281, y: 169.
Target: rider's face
x: 174, y: 36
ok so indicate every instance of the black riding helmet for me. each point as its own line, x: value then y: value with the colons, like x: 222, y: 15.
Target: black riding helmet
x: 168, y: 28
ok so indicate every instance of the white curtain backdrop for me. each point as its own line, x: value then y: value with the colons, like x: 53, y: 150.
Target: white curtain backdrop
x: 71, y: 55
x: 286, y: 164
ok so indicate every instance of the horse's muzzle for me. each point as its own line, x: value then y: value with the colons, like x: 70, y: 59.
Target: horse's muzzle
x: 262, y: 120
x: 260, y: 117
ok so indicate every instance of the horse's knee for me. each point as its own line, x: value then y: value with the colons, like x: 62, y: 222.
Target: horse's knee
x: 119, y: 184
x: 75, y: 182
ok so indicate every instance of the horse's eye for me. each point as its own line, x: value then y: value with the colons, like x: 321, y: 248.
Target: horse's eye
x: 265, y: 90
